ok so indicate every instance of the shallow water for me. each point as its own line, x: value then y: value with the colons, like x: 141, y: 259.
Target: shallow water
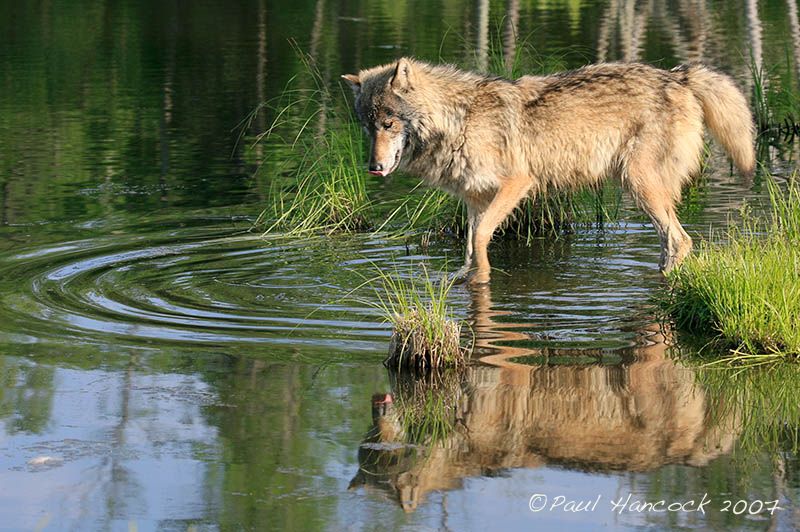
x: 164, y: 367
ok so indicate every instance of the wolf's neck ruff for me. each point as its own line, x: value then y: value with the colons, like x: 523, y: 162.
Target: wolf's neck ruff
x: 440, y: 121
x: 492, y: 141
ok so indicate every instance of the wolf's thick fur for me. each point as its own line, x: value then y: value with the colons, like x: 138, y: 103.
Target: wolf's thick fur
x: 492, y: 141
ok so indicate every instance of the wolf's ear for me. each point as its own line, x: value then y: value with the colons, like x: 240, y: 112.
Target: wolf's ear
x: 354, y: 82
x: 403, y: 78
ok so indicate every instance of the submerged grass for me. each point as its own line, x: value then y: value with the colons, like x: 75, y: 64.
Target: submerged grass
x: 745, y: 290
x: 425, y: 334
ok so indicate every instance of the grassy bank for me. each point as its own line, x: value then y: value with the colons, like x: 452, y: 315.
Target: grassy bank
x: 744, y: 289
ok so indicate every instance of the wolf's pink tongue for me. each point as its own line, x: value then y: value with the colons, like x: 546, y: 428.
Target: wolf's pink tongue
x: 375, y: 172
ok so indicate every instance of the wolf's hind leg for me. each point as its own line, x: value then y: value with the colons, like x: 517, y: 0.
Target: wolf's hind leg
x: 659, y: 205
x: 675, y: 243
x: 681, y: 242
x: 505, y: 200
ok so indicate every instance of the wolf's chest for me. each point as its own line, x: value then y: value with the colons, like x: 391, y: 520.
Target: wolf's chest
x: 455, y: 173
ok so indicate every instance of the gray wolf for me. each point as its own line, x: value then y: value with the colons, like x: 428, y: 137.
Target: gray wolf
x: 492, y: 141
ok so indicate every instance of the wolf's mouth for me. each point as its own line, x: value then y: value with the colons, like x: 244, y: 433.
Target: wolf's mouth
x: 397, y: 156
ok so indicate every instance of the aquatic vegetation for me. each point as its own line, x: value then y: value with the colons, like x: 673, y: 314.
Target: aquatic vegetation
x: 775, y: 103
x: 745, y: 288
x: 330, y: 194
x: 565, y: 211
x: 326, y: 190
x: 424, y: 210
x: 422, y: 341
x: 760, y: 99
x: 425, y: 334
x: 552, y: 212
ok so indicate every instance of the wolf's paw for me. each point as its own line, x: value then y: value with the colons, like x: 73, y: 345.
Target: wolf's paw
x: 478, y: 278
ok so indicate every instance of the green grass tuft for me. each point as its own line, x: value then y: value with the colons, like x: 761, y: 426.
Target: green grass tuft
x: 326, y: 189
x: 425, y: 335
x: 745, y: 291
x: 330, y: 194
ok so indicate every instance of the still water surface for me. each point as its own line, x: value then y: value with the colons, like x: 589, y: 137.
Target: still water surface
x: 163, y: 367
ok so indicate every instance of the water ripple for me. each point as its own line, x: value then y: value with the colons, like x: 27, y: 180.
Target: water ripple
x: 206, y: 287
x: 233, y: 289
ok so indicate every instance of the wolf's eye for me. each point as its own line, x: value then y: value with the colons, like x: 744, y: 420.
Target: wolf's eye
x: 389, y: 113
x: 388, y: 124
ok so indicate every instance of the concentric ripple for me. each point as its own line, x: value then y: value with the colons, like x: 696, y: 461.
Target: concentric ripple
x: 217, y: 290
x: 204, y: 287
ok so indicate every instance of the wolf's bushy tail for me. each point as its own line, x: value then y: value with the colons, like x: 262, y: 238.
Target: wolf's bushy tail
x: 727, y: 114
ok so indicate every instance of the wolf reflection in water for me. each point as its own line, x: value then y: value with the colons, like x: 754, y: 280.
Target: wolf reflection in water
x: 643, y: 413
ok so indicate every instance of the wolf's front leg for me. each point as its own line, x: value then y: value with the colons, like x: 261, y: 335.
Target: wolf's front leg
x: 462, y: 273
x: 505, y: 200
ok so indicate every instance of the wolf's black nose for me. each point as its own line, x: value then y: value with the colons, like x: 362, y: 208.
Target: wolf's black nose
x: 376, y: 167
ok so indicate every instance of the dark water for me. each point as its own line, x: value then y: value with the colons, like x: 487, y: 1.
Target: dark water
x: 162, y: 367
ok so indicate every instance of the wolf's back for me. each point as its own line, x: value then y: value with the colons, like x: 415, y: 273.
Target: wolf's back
x: 727, y: 114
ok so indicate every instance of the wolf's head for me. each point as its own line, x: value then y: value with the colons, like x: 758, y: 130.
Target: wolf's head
x: 383, y: 111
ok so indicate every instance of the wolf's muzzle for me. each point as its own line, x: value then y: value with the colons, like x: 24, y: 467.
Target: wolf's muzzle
x: 376, y: 169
